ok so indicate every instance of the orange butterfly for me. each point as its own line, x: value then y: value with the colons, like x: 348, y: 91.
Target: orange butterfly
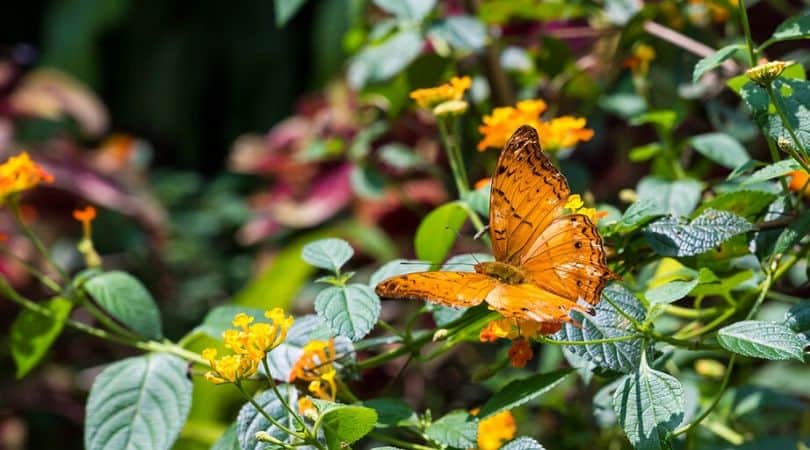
x: 545, y: 261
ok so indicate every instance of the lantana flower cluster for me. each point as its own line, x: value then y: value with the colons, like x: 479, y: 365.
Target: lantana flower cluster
x: 20, y: 173
x: 316, y: 365
x: 250, y: 343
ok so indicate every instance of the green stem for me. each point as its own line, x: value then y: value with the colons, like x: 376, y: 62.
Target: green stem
x: 475, y: 219
x: 14, y: 205
x: 709, y: 326
x: 449, y: 148
x: 629, y: 337
x: 749, y: 42
x: 38, y: 274
x: 397, y: 442
x: 267, y: 416
x: 790, y: 130
x: 776, y: 158
x: 281, y: 398
x: 714, y: 402
x: 689, y: 313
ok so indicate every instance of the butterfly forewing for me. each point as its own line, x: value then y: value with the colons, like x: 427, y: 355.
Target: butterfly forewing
x: 528, y: 192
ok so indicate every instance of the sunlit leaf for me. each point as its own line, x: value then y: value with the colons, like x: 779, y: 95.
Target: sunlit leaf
x: 126, y: 300
x: 523, y: 443
x: 392, y: 412
x: 330, y: 254
x: 346, y: 424
x: 32, y: 334
x: 382, y: 61
x: 720, y: 148
x: 678, y: 198
x: 407, y: 9
x: 796, y: 27
x: 457, y: 429
x: 714, y: 60
x: 674, y: 237
x: 438, y: 231
x: 744, y: 203
x: 350, y: 311
x: 760, y: 339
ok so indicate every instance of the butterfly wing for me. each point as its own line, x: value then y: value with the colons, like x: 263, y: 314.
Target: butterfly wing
x: 528, y: 192
x: 529, y: 302
x: 456, y: 289
x: 568, y: 259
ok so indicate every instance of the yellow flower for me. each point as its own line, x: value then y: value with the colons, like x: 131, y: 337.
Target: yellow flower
x: 766, y: 72
x: 496, y: 430
x: 576, y: 206
x: 454, y: 90
x: 574, y: 202
x: 563, y: 132
x: 20, y: 173
x: 229, y: 368
x: 306, y: 408
x: 315, y: 365
x: 499, y: 126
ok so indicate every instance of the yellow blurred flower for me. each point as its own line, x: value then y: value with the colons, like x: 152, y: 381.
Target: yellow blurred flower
x: 306, y: 408
x: 496, y: 430
x: 639, y: 63
x: 799, y: 182
x: 315, y: 365
x: 20, y: 173
x: 453, y: 90
x: 563, y: 132
x: 559, y: 133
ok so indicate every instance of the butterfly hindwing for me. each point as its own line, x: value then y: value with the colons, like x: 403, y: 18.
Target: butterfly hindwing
x: 528, y: 301
x: 528, y: 192
x: 456, y: 289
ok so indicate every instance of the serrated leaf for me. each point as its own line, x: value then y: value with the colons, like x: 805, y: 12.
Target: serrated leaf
x: 305, y: 329
x: 220, y: 319
x: 678, y: 198
x: 638, y: 214
x: 771, y: 171
x: 286, y: 9
x: 350, y: 311
x: 392, y: 412
x: 607, y: 322
x: 760, y: 339
x: 794, y: 232
x: 796, y: 27
x: 382, y: 61
x: 747, y: 204
x: 330, y: 254
x: 251, y: 421
x: 518, y: 392
x: 407, y: 9
x: 349, y: 423
x: 32, y: 334
x: 523, y: 443
x: 649, y: 405
x: 397, y: 267
x: 673, y: 237
x: 714, y: 60
x: 457, y: 429
x: 228, y: 440
x: 720, y: 148
x: 438, y: 231
x: 793, y: 97
x: 125, y: 299
x: 138, y: 403
x: 465, y: 33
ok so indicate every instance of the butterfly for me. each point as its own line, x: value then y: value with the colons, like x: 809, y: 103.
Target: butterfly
x: 547, y: 261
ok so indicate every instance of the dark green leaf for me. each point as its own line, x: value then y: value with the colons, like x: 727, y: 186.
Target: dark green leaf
x: 400, y: 157
x: 673, y: 237
x: 138, y: 403
x: 714, y: 60
x: 760, y: 339
x: 796, y: 27
x: 519, y: 392
x: 286, y: 9
x: 330, y: 254
x: 367, y: 182
x: 392, y: 412
x: 349, y: 423
x: 798, y: 317
x: 350, y: 311
x: 793, y: 233
x: 32, y: 334
x: 638, y: 214
x: 251, y: 421
x: 438, y: 231
x: 457, y: 429
x: 720, y: 148
x: 793, y: 97
x: 127, y: 301
x: 678, y: 198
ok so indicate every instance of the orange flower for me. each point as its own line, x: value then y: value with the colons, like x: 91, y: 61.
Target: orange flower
x: 520, y: 353
x: 86, y: 247
x: 315, y: 365
x: 454, y: 90
x: 20, y: 173
x: 499, y: 126
x: 85, y: 216
x: 798, y: 182
x: 496, y: 430
x: 639, y: 63
x: 563, y: 132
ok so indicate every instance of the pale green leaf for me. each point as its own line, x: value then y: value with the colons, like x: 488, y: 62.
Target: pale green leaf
x: 720, y: 148
x: 251, y: 421
x: 457, y: 429
x: 367, y: 182
x: 760, y: 339
x: 32, y: 334
x: 350, y: 311
x: 124, y: 298
x: 464, y: 33
x: 438, y: 231
x: 518, y: 392
x: 382, y: 61
x: 674, y: 237
x: 678, y: 198
x: 771, y: 171
x: 407, y: 9
x: 138, y: 403
x: 714, y: 60
x: 670, y: 292
x: 523, y: 443
x: 638, y: 214
x: 330, y: 254
x: 796, y: 27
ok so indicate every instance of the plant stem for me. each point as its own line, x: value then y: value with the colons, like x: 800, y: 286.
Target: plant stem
x: 449, y: 147
x: 14, y: 205
x: 689, y: 313
x: 629, y: 337
x: 714, y: 402
x: 398, y: 442
x: 267, y: 416
x: 38, y: 274
x: 749, y: 42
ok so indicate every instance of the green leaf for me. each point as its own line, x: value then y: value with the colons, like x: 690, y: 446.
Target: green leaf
x: 286, y: 9
x: 523, y: 443
x: 798, y: 317
x: 464, y: 33
x: 348, y: 423
x: 518, y: 392
x: 392, y: 412
x: 251, y: 421
x: 457, y: 429
x: 220, y: 319
x: 665, y: 119
x: 793, y: 97
x: 638, y: 214
x: 397, y: 267
x: 228, y: 440
x: 714, y: 60
x: 762, y: 340
x: 673, y: 237
x: 608, y: 322
x: 720, y: 148
x: 792, y: 234
x: 771, y: 171
x: 500, y: 11
x: 382, y: 61
x: 350, y: 311
x: 126, y: 300
x: 796, y: 27
x: 670, y: 292
x: 32, y: 334
x: 367, y: 182
x: 438, y: 231
x: 649, y: 405
x: 678, y: 198
x: 623, y: 104
x: 746, y: 204
x: 305, y: 329
x: 645, y: 152
x: 400, y: 157
x: 138, y: 403
x: 407, y: 9
x: 330, y: 254
x: 479, y: 199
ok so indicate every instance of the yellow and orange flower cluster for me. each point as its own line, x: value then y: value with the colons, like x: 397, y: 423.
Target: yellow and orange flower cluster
x: 575, y: 205
x: 316, y: 366
x: 429, y: 98
x: 20, y: 173
x: 519, y: 332
x: 639, y: 62
x: 496, y: 430
x: 558, y: 133
x: 250, y: 344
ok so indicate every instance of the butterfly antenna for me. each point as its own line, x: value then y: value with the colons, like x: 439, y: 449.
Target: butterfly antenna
x: 477, y: 235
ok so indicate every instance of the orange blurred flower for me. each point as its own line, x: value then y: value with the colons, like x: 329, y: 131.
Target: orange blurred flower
x: 559, y: 133
x: 639, y: 63
x: 496, y: 430
x: 520, y: 353
x: 20, y: 173
x: 453, y: 90
x: 799, y: 182
x: 315, y: 365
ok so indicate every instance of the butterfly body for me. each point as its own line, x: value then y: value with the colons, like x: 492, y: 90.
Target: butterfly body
x: 548, y: 261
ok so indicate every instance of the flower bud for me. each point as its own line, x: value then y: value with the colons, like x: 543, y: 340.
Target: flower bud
x: 765, y: 73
